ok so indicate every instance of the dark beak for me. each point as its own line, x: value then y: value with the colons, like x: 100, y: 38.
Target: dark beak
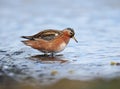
x: 75, y: 39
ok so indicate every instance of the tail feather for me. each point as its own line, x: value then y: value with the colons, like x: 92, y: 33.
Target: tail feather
x: 31, y: 43
x: 27, y: 43
x: 27, y: 37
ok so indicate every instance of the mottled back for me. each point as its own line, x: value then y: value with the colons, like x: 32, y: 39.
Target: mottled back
x: 48, y: 35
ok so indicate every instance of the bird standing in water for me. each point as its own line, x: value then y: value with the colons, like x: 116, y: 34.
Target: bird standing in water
x: 50, y: 40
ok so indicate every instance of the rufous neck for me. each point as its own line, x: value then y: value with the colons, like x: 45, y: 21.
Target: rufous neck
x: 66, y: 39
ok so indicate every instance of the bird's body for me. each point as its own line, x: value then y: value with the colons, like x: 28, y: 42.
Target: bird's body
x: 50, y: 41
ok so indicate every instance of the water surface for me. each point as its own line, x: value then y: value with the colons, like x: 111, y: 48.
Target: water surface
x: 96, y: 24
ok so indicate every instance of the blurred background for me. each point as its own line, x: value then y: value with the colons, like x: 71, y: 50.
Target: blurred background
x: 93, y: 63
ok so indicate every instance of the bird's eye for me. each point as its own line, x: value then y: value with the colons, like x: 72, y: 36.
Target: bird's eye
x: 71, y: 33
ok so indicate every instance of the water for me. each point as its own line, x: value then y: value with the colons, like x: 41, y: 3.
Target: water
x: 96, y: 25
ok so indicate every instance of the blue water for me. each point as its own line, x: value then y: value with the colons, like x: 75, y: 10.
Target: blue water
x: 97, y: 27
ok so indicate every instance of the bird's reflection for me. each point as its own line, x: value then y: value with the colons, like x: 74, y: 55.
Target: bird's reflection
x: 49, y: 59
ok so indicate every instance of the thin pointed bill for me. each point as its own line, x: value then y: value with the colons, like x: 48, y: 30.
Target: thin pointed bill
x: 75, y: 39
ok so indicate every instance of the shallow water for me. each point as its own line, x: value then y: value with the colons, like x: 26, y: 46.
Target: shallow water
x: 96, y: 25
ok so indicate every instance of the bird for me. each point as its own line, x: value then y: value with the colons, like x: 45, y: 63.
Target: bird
x: 50, y: 40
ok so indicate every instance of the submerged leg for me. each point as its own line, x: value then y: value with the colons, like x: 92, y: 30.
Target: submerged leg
x: 45, y: 54
x: 52, y: 54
